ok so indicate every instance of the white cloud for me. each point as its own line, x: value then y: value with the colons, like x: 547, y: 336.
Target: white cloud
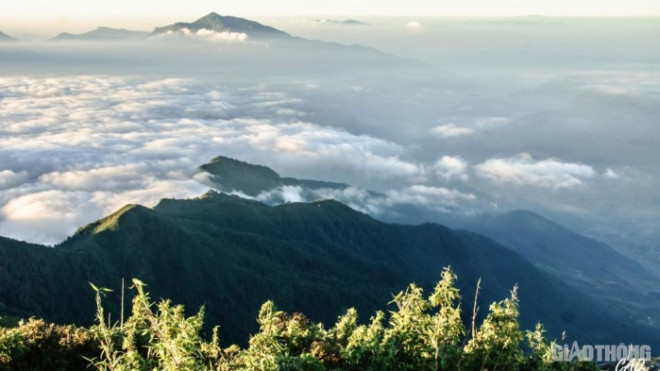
x: 376, y: 204
x: 609, y: 173
x: 81, y: 147
x: 9, y: 178
x: 100, y: 178
x: 429, y: 195
x: 282, y: 194
x: 618, y: 82
x: 221, y: 36
x: 451, y: 130
x: 449, y: 168
x: 311, y: 145
x: 524, y: 170
x: 205, y: 34
x: 426, y: 197
x: 41, y: 216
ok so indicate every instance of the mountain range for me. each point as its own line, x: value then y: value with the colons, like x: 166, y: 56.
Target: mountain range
x: 588, y: 265
x: 244, y: 45
x: 551, y: 246
x: 585, y: 264
x: 105, y: 33
x: 231, y: 254
x: 211, y: 22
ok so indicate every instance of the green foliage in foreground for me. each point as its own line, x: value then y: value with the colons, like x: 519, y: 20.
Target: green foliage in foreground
x: 420, y: 333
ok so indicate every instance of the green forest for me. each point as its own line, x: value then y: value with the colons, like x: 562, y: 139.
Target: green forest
x: 417, y: 332
x: 231, y: 255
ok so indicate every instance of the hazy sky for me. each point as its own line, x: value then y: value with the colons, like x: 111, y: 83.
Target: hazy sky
x: 43, y: 18
x: 337, y: 7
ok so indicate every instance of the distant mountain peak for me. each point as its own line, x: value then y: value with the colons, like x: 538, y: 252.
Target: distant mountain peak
x: 219, y: 23
x: 5, y: 37
x: 228, y: 174
x: 213, y: 16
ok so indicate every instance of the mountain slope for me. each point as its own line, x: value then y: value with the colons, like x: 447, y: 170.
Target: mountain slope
x: 551, y: 245
x: 218, y: 23
x: 232, y: 254
x: 104, y: 33
x: 5, y: 37
x: 584, y: 263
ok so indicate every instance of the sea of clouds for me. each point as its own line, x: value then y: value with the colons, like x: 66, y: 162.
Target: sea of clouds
x: 86, y: 128
x: 77, y: 148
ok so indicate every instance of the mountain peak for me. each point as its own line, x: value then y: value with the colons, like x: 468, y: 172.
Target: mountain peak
x: 112, y: 221
x: 228, y: 174
x: 211, y: 16
x: 216, y: 22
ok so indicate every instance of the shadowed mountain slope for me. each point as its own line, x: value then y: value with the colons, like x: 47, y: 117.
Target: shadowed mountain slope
x: 232, y: 254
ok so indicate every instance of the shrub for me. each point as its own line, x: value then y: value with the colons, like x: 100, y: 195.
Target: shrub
x: 419, y: 333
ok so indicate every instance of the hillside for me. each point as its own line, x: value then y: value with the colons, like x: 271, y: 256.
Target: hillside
x: 584, y: 263
x: 549, y: 244
x: 232, y: 254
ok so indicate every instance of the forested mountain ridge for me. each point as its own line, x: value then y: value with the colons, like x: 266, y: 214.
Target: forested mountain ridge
x: 232, y: 254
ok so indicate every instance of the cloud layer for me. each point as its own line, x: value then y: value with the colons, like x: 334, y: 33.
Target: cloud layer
x: 524, y: 170
x: 76, y: 148
x: 204, y: 34
x: 507, y: 120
